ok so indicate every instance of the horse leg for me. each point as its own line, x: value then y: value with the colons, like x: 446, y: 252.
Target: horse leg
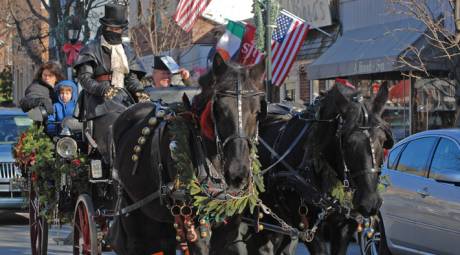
x: 318, y: 246
x: 201, y: 246
x: 146, y: 236
x: 287, y: 246
x: 341, y: 237
x: 230, y: 238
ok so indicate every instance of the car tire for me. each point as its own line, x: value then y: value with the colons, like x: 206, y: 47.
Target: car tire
x: 377, y: 244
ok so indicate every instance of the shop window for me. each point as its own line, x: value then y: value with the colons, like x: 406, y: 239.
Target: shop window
x: 433, y: 104
x: 396, y: 111
x: 289, y: 91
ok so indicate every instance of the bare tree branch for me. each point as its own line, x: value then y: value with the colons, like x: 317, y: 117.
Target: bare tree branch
x: 36, y: 58
x: 34, y: 12
x: 45, y: 4
x: 157, y: 29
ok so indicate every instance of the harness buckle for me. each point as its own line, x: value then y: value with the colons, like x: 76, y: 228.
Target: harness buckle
x: 346, y: 183
x: 164, y: 190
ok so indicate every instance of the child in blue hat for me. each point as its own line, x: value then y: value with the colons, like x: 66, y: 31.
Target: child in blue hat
x: 67, y: 93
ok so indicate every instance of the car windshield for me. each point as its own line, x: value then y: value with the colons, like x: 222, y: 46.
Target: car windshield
x: 11, y: 126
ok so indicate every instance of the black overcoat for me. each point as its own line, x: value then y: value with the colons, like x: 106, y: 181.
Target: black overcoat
x: 94, y: 61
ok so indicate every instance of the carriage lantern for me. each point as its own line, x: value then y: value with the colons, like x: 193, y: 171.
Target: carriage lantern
x: 66, y: 147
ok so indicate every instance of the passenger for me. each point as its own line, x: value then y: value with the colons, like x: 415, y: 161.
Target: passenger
x: 41, y: 91
x: 67, y: 94
x: 163, y: 69
x: 109, y: 72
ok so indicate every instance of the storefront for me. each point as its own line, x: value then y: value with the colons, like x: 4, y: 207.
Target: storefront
x: 322, y: 17
x: 369, y: 51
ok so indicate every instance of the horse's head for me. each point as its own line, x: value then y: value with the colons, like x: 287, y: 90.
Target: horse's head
x: 232, y: 96
x: 362, y: 136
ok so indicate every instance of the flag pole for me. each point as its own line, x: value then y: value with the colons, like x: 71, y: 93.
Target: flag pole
x: 268, y: 51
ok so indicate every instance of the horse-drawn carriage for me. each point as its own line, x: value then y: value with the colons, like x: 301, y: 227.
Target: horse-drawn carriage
x: 71, y: 184
x: 196, y: 182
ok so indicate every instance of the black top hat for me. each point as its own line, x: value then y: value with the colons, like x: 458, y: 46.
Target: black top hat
x: 115, y: 16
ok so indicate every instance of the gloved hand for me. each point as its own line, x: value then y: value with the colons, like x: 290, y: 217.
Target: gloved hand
x: 110, y: 92
x: 142, y: 97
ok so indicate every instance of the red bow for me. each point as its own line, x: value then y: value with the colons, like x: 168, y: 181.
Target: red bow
x: 72, y: 50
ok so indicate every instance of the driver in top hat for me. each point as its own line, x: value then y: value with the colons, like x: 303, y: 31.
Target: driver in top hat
x: 109, y: 72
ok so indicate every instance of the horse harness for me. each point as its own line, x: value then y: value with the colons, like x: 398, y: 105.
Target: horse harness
x: 348, y: 176
x: 325, y: 205
x: 182, y: 213
x: 239, y: 94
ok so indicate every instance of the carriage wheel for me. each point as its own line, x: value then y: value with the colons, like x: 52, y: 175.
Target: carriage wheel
x: 84, y: 227
x: 38, y: 224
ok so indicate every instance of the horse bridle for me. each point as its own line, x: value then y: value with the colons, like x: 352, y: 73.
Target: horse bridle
x: 239, y: 94
x: 348, y: 177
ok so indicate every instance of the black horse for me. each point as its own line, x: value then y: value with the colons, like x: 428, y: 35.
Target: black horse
x: 340, y: 142
x: 231, y: 100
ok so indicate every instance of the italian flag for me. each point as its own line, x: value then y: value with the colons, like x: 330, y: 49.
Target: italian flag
x: 229, y: 44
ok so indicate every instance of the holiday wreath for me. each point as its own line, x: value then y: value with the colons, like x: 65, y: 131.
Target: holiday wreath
x: 208, y: 206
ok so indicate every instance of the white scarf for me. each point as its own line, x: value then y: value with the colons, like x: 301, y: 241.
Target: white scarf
x: 119, y: 63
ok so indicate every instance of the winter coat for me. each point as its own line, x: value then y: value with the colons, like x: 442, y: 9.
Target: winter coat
x: 62, y: 110
x: 94, y: 61
x: 38, y: 93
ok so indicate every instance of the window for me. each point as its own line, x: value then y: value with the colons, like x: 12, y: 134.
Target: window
x: 446, y: 160
x: 11, y: 127
x: 394, y: 156
x: 415, y: 155
x: 434, y: 104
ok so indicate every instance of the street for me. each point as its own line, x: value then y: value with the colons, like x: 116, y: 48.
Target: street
x: 14, y: 237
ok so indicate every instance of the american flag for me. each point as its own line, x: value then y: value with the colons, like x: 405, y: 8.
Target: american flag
x: 287, y: 38
x: 188, y: 11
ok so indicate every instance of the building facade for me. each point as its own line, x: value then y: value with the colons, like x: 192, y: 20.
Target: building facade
x: 323, y: 18
x: 373, y: 43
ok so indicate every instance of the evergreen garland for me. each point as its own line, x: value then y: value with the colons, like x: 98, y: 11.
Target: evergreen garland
x: 34, y: 153
x: 207, y: 206
x: 346, y: 197
x: 258, y: 8
x: 259, y: 23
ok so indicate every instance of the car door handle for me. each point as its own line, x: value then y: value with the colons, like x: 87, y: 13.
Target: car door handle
x: 423, y: 192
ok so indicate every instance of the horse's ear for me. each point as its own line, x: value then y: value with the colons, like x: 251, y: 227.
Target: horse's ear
x: 257, y: 72
x: 343, y: 95
x: 389, y: 141
x: 186, y: 102
x: 219, y: 66
x: 379, y: 101
x: 206, y: 80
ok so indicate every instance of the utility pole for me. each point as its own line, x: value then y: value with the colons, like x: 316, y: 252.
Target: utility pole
x: 457, y: 20
x: 455, y: 68
x: 268, y: 51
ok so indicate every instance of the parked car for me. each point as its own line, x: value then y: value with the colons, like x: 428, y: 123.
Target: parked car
x: 12, y: 123
x: 420, y: 213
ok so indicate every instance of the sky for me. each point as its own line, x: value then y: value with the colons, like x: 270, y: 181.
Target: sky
x: 219, y: 10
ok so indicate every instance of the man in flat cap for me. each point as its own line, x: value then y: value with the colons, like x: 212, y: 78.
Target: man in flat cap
x: 164, y: 68
x: 109, y: 72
